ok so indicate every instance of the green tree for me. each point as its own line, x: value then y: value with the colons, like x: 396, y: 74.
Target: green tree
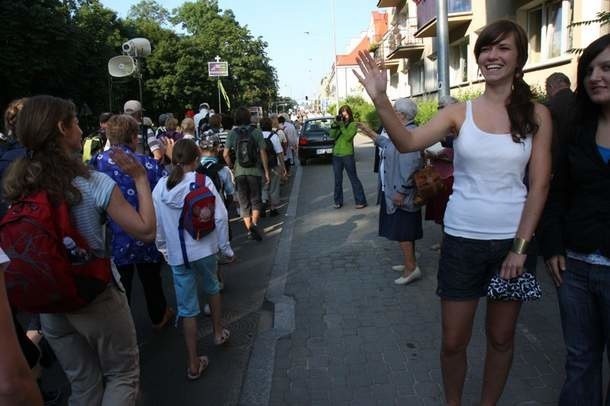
x: 37, y: 49
x: 149, y: 10
x: 252, y: 80
x: 100, y: 35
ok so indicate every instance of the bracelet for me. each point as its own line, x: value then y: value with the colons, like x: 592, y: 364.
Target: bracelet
x: 519, y: 246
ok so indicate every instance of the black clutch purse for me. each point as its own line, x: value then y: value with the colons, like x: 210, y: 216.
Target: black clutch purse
x: 523, y: 288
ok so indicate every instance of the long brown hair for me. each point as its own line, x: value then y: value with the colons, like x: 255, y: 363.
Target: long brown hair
x: 10, y: 117
x: 520, y: 107
x: 347, y: 108
x: 47, y: 165
x: 184, y: 153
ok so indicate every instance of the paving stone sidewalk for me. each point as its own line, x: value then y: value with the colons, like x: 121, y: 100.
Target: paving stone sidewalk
x: 361, y: 340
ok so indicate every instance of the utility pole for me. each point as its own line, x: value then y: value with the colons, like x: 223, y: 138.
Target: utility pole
x: 334, y: 11
x: 442, y: 33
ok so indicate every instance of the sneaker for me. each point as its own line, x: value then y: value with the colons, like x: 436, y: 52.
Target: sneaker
x: 274, y: 213
x: 413, y: 276
x: 206, y: 310
x: 255, y: 233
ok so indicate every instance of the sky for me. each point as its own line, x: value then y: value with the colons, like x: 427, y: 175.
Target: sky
x: 299, y: 34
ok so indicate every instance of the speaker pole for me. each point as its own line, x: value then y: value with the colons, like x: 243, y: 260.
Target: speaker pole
x: 109, y: 93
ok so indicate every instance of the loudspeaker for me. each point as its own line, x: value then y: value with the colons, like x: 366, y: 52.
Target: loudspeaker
x: 137, y: 47
x: 121, y: 66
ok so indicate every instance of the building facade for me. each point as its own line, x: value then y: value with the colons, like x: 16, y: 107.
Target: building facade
x: 345, y: 82
x: 409, y: 47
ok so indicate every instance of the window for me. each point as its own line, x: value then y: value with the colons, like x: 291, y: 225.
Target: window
x: 394, y: 77
x: 458, y: 62
x: 547, y: 29
x: 416, y: 77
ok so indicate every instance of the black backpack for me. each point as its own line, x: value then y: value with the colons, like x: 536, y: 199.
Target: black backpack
x: 271, y: 154
x: 204, y: 124
x: 211, y: 169
x: 246, y: 148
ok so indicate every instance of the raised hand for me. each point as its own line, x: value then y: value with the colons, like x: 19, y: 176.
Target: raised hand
x: 372, y: 77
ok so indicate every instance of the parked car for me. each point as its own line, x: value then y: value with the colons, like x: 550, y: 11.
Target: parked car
x: 314, y: 139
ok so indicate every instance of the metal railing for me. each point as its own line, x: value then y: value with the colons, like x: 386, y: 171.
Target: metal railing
x: 426, y: 10
x: 400, y: 35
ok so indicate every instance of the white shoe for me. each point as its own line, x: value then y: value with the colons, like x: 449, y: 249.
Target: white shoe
x: 206, y: 310
x: 413, y: 276
x: 398, y: 268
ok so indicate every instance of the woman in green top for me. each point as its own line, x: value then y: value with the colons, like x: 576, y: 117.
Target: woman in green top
x: 343, y: 131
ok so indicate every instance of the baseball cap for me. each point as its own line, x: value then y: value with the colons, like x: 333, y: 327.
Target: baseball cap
x: 132, y: 106
x: 204, y: 106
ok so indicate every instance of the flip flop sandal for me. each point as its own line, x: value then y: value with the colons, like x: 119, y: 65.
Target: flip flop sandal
x: 203, y: 365
x: 224, y: 337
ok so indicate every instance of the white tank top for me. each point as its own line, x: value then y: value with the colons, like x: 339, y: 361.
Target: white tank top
x: 488, y: 189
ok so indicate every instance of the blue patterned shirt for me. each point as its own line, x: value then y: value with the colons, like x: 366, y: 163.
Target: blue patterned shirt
x: 125, y: 249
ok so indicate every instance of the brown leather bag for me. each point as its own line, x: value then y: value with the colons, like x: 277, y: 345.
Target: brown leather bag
x: 428, y: 184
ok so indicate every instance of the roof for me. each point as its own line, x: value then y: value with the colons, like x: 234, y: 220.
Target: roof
x: 380, y: 25
x: 350, y: 59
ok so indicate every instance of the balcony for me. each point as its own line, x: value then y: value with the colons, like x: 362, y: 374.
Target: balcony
x: 459, y: 13
x: 390, y: 3
x: 402, y: 43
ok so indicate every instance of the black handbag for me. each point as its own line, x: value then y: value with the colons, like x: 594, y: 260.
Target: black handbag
x: 524, y: 288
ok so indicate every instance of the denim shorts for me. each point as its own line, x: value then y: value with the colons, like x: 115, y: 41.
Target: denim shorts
x: 466, y: 266
x: 185, y: 284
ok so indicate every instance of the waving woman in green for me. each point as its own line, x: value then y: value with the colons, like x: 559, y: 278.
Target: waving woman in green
x: 343, y: 131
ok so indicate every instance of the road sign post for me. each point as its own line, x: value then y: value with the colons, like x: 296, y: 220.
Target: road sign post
x: 217, y: 69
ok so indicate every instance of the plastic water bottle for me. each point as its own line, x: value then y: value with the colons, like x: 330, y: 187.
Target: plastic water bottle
x: 77, y: 255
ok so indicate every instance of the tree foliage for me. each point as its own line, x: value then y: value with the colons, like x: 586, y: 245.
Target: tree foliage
x: 62, y: 47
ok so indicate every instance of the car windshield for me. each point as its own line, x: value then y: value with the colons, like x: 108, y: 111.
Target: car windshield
x: 318, y: 125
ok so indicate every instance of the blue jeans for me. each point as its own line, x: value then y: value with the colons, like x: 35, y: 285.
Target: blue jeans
x: 349, y: 164
x: 584, y: 302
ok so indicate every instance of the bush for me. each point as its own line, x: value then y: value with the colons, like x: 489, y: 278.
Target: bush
x: 363, y: 110
x: 426, y: 109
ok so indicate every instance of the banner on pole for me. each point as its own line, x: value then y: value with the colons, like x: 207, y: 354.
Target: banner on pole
x: 217, y: 69
x: 224, y: 94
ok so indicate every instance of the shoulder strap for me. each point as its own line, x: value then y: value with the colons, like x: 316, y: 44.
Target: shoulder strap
x: 199, y: 179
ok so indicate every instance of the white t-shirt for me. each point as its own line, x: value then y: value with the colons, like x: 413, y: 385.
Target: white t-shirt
x: 275, y: 141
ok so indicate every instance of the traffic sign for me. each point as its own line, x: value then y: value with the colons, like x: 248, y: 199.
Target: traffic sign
x: 217, y: 69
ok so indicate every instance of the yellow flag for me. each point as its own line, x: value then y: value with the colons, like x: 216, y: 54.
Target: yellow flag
x: 224, y: 94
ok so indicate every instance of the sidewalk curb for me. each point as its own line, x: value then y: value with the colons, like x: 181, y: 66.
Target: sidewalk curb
x: 256, y: 389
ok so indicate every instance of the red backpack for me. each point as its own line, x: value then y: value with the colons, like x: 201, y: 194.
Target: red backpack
x: 44, y: 276
x: 197, y: 216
